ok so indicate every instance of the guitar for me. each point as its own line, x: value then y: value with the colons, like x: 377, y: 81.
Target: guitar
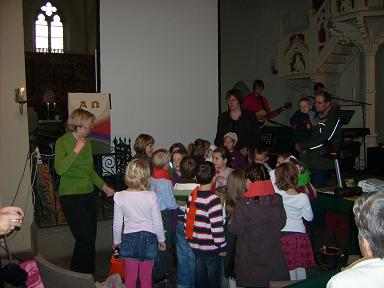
x: 262, y: 115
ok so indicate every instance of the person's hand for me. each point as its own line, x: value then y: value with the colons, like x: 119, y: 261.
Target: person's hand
x: 244, y: 151
x: 223, y: 254
x: 114, y: 246
x: 220, y: 179
x: 80, y: 143
x: 12, y: 210
x: 297, y: 147
x: 108, y: 190
x: 161, y: 246
x: 10, y: 218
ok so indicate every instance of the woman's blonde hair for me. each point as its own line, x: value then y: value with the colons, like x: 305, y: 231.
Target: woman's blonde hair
x: 286, y: 176
x: 160, y: 158
x: 236, y: 187
x: 141, y: 143
x: 137, y: 175
x: 79, y: 117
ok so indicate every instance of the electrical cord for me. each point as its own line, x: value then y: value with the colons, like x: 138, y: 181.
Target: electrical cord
x: 21, y: 179
x: 30, y: 188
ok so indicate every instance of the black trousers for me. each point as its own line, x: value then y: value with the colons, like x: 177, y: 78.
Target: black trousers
x: 80, y: 213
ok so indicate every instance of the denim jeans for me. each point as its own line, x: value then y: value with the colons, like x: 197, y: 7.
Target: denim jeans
x: 208, y: 271
x: 185, y: 275
x: 140, y: 246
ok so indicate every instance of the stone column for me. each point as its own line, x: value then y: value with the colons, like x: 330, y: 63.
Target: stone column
x: 370, y: 94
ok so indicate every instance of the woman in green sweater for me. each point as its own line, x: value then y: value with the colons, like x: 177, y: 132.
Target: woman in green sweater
x: 74, y: 163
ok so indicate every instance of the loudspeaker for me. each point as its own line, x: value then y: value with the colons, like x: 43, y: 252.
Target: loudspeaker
x: 375, y: 160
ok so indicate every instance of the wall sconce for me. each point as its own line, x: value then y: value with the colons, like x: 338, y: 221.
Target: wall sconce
x: 20, y: 97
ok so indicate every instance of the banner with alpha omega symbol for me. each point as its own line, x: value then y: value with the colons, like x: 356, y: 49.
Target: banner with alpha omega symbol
x: 98, y: 104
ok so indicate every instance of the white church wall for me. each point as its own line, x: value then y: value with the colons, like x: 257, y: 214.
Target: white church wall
x: 159, y: 61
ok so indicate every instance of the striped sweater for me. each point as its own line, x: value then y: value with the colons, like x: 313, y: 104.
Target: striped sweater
x: 208, y: 231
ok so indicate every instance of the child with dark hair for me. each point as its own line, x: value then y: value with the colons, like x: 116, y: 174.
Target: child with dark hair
x: 260, y: 155
x: 257, y: 221
x: 204, y: 229
x: 177, y: 146
x: 143, y: 147
x: 237, y: 159
x: 185, y: 258
x: 222, y: 161
x: 176, y: 157
x: 199, y: 149
x: 294, y: 241
x: 304, y: 184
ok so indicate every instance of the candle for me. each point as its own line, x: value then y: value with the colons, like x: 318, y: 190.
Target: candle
x: 48, y: 106
x: 54, y: 105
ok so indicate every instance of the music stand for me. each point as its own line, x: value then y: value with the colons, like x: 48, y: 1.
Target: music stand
x: 345, y: 116
x: 267, y: 138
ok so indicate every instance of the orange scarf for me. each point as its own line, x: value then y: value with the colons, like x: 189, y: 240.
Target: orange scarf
x: 161, y: 173
x: 191, y: 215
x: 260, y: 188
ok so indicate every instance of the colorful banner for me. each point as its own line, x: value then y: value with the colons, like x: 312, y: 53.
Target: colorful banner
x: 98, y: 104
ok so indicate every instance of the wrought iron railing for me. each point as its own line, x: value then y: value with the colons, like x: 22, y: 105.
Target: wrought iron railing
x: 45, y: 183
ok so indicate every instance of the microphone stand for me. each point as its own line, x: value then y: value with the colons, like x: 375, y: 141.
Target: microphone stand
x: 362, y: 105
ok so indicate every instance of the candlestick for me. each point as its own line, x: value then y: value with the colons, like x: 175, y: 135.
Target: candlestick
x: 48, y: 106
x: 54, y: 105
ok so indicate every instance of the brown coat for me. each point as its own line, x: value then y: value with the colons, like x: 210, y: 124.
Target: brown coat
x: 257, y: 222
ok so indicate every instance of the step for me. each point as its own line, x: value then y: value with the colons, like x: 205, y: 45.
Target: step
x: 337, y: 59
x: 343, y: 50
x: 329, y: 68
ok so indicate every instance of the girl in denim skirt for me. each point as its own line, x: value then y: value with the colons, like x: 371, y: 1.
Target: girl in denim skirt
x: 137, y: 225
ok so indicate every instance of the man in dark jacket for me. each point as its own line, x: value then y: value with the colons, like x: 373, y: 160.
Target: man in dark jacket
x: 326, y: 136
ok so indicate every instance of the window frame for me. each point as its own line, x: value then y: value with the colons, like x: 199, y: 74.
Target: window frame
x: 49, y: 20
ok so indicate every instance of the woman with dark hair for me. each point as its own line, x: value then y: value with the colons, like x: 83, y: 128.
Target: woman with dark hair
x: 239, y: 121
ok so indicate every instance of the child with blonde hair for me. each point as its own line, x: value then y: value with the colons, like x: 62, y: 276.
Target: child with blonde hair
x: 161, y: 181
x: 137, y: 225
x: 236, y: 188
x: 161, y: 184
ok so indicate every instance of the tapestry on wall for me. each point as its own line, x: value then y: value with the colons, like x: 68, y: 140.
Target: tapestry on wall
x: 98, y: 104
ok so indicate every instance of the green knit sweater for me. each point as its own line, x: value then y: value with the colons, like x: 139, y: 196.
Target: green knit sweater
x: 78, y: 175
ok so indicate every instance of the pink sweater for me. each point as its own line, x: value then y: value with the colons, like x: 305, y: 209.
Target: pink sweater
x: 138, y: 211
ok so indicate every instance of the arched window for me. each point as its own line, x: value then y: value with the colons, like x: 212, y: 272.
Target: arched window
x: 49, y: 32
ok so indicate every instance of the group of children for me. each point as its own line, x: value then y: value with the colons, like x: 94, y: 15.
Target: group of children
x: 231, y: 219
